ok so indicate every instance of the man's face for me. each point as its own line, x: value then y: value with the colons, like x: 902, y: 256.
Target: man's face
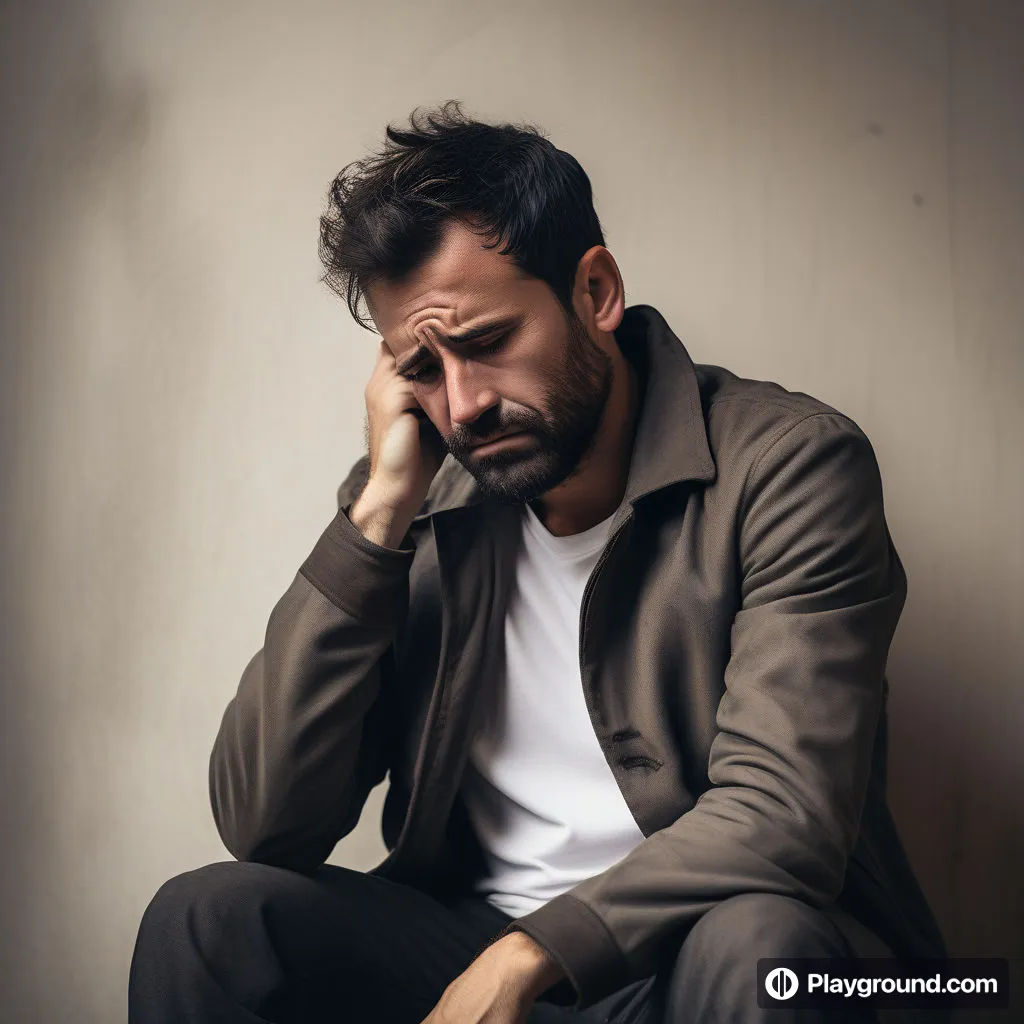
x: 537, y: 374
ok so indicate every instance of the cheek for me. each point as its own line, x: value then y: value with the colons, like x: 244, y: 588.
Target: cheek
x: 534, y: 391
x: 523, y: 383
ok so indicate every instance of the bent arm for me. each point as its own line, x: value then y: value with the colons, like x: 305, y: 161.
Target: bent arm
x: 822, y: 591
x: 305, y: 738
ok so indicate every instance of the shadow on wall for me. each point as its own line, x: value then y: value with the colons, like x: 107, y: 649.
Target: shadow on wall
x: 955, y: 776
x: 87, y: 428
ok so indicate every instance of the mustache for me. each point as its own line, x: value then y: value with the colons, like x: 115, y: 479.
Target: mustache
x: 489, y: 425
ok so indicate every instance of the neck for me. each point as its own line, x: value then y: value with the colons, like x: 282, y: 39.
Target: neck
x: 595, y: 490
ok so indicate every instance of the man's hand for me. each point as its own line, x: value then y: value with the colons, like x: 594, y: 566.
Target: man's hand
x: 405, y: 452
x: 500, y: 985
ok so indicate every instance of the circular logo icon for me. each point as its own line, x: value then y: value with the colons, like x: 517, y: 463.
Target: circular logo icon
x: 782, y: 983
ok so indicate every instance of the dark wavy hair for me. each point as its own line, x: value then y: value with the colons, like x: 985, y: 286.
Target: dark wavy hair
x: 386, y: 213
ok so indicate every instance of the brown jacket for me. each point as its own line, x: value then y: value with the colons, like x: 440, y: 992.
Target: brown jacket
x: 733, y: 644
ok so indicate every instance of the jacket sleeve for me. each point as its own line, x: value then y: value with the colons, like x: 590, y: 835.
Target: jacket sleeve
x: 822, y: 590
x: 304, y: 739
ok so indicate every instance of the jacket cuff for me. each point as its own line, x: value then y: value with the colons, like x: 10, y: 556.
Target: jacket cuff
x: 366, y: 580
x: 578, y: 940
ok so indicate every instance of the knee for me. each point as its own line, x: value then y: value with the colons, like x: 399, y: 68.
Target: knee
x: 756, y: 925
x: 714, y: 976
x: 204, y: 903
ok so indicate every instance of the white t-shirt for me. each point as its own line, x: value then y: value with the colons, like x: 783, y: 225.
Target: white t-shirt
x: 539, y: 792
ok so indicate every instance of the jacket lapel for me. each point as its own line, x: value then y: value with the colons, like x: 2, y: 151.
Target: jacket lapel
x: 476, y: 551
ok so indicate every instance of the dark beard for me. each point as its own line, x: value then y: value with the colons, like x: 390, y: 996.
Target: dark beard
x: 577, y: 395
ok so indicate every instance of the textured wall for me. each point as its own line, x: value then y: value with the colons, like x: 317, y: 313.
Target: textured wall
x: 825, y: 195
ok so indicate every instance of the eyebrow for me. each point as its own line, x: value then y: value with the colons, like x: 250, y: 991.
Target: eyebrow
x: 421, y: 352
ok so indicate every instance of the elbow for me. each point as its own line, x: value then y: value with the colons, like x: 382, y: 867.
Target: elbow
x: 250, y: 839
x: 253, y: 830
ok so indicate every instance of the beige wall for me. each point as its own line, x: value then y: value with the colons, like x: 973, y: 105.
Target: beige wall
x: 828, y: 195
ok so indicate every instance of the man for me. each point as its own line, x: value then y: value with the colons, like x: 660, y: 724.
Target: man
x: 614, y: 626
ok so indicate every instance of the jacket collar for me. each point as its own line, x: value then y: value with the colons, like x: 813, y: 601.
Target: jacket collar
x: 670, y: 444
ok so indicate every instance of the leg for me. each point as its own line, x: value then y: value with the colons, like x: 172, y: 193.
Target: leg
x: 714, y: 979
x: 248, y: 943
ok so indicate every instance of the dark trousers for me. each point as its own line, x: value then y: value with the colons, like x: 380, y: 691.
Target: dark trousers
x: 240, y: 943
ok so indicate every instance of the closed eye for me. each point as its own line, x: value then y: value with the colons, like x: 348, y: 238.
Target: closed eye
x: 493, y: 346
x: 420, y: 376
x: 429, y: 371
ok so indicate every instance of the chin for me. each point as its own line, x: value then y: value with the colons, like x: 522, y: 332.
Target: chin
x: 519, y: 480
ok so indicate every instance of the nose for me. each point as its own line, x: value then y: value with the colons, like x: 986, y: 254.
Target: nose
x: 468, y: 396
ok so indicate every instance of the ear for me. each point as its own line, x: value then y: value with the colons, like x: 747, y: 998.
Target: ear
x: 598, y: 293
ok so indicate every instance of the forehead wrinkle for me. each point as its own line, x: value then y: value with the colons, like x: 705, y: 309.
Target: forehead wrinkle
x: 424, y: 325
x: 403, y: 331
x: 412, y: 331
x: 441, y: 322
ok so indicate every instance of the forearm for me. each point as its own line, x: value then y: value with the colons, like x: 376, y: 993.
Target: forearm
x: 303, y: 740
